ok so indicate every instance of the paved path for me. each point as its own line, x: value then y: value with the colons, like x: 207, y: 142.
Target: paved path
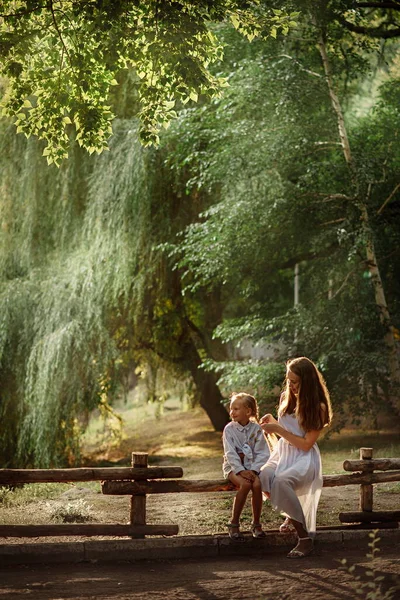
x: 269, y: 577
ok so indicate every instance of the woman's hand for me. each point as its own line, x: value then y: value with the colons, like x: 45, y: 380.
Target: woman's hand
x: 268, y: 418
x: 273, y: 427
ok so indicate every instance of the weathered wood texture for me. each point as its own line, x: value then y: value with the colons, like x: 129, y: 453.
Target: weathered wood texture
x: 361, y: 478
x: 374, y: 464
x: 86, y: 529
x: 138, y: 502
x: 120, y: 488
x: 12, y: 476
x: 366, y: 491
x: 369, y: 516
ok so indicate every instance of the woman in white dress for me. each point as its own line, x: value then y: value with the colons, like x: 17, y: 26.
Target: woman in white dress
x: 292, y: 477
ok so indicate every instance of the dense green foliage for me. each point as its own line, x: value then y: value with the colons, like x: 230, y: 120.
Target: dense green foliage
x: 61, y: 59
x: 62, y: 290
x: 159, y: 257
x: 268, y: 155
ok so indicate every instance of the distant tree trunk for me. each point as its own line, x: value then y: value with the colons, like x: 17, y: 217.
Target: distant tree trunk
x: 372, y: 262
x: 210, y: 397
x: 196, y: 343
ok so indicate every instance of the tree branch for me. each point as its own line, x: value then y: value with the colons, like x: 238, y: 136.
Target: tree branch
x: 22, y: 13
x: 333, y: 222
x: 378, y: 32
x: 391, y: 5
x: 300, y: 65
x: 388, y: 199
x: 327, y: 197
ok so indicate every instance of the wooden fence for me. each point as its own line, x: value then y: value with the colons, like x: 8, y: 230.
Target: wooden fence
x: 140, y: 480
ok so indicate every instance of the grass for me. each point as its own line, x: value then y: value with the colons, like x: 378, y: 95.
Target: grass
x: 76, y: 511
x: 346, y: 446
x: 29, y: 494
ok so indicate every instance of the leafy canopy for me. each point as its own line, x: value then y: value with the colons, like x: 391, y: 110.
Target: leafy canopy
x: 268, y: 158
x: 60, y: 60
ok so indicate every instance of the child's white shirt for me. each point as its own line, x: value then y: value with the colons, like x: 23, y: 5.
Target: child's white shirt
x: 248, y: 440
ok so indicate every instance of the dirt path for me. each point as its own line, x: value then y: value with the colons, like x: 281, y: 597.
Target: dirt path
x: 264, y: 578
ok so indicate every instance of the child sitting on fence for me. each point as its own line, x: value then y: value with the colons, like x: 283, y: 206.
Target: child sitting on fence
x: 245, y: 452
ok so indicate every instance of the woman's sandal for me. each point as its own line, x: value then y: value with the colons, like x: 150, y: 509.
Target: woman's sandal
x: 299, y: 553
x: 286, y: 526
x: 257, y: 532
x: 235, y: 536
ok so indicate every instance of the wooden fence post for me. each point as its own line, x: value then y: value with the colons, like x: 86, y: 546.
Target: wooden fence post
x: 366, y: 491
x: 138, y: 503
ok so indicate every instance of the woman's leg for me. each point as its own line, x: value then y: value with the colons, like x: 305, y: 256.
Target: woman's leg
x: 266, y: 478
x: 304, y: 545
x: 283, y: 496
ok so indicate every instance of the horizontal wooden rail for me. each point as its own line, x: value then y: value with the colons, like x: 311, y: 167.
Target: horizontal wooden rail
x: 131, y: 488
x: 86, y: 529
x: 13, y: 476
x: 378, y: 464
x: 369, y: 516
x: 360, y: 478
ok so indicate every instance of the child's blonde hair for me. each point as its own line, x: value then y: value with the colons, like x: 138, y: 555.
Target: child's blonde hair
x: 248, y: 401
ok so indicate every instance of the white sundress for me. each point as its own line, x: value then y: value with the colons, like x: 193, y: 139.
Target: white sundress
x: 293, y: 477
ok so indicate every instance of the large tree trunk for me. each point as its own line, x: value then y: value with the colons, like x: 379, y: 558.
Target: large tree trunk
x: 196, y: 342
x: 372, y: 262
x: 210, y: 397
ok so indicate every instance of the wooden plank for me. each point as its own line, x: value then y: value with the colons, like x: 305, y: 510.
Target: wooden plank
x: 366, y: 491
x: 375, y: 464
x: 91, y: 529
x: 120, y: 488
x: 13, y: 476
x: 156, y: 487
x: 358, y: 478
x: 369, y: 516
x: 138, y: 503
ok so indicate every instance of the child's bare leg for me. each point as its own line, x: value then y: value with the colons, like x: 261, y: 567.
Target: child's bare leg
x: 256, y: 500
x: 244, y: 487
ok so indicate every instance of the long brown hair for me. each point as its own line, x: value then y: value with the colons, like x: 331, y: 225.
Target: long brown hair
x: 312, y: 394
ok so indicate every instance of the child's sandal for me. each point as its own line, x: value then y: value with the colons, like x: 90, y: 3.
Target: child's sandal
x: 256, y: 530
x: 235, y: 536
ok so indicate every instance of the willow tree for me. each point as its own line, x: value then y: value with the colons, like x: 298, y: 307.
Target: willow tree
x: 61, y: 291
x: 86, y: 295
